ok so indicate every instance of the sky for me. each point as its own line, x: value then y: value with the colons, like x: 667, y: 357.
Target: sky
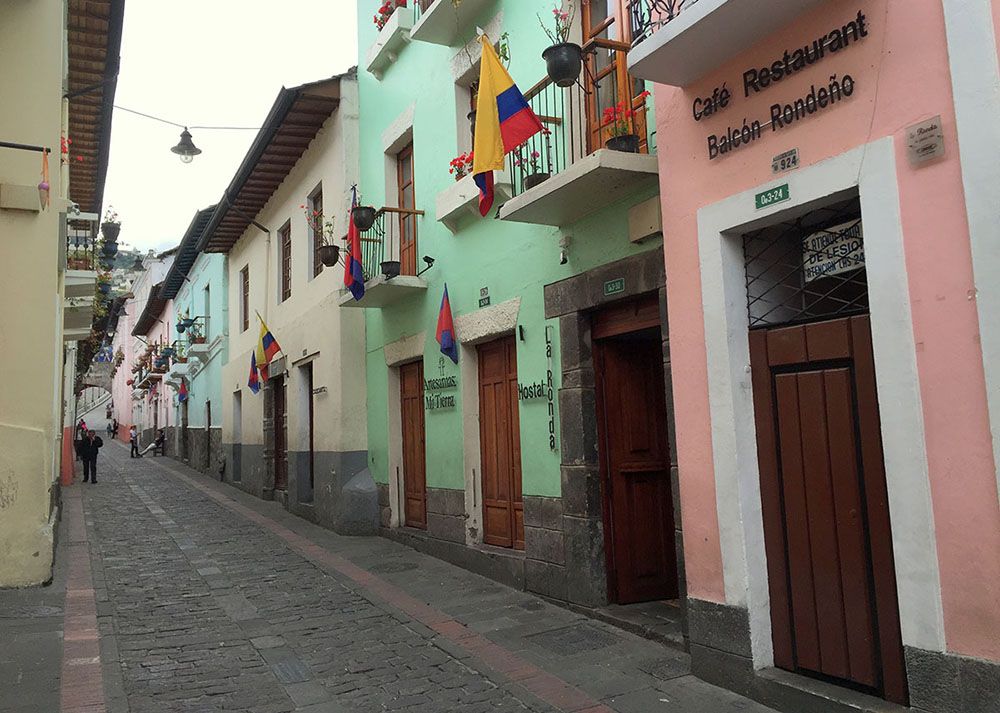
x: 207, y: 62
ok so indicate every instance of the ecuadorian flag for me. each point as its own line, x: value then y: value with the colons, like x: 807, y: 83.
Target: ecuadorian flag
x: 267, y: 347
x: 504, y: 121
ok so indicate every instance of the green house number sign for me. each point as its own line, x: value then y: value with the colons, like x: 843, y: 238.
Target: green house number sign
x: 614, y: 287
x: 772, y: 196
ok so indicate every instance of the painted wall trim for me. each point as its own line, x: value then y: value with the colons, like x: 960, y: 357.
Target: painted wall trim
x: 870, y: 171
x: 972, y: 43
x: 405, y: 349
x: 488, y: 323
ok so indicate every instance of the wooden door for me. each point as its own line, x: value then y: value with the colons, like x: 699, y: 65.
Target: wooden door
x: 185, y: 454
x: 634, y: 454
x: 280, y: 433
x: 307, y: 372
x: 500, y: 444
x: 411, y: 387
x: 406, y: 199
x: 827, y: 534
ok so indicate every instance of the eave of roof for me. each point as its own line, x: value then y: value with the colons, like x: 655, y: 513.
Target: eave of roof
x: 295, y: 119
x: 151, y: 312
x: 187, y: 253
x: 94, y: 35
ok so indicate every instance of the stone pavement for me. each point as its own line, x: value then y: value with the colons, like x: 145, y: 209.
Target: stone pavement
x: 207, y: 599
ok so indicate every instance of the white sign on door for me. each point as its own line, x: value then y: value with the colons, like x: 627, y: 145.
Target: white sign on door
x: 838, y: 249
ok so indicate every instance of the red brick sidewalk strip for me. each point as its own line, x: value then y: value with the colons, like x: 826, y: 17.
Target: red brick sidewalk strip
x: 541, y: 684
x: 82, y: 683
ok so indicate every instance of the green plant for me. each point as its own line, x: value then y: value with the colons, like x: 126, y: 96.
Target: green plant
x: 563, y: 17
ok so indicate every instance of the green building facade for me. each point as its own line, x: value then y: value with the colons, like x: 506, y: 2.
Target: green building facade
x: 527, y: 283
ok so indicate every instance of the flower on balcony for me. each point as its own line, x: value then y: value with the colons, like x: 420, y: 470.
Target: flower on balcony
x: 530, y: 163
x: 385, y: 11
x: 619, y: 120
x: 318, y: 224
x: 461, y: 165
x: 563, y: 19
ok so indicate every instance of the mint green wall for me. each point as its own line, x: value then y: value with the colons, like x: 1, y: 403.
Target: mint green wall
x: 511, y: 259
x: 208, y: 269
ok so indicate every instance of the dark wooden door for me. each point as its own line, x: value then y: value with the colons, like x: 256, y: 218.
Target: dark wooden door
x: 307, y: 372
x: 635, y: 462
x: 826, y: 516
x: 280, y: 433
x: 500, y: 444
x: 411, y: 387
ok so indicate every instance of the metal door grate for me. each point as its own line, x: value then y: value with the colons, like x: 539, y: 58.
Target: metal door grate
x: 807, y: 269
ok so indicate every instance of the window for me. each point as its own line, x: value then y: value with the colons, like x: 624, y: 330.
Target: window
x: 407, y: 219
x: 316, y: 227
x: 285, y: 260
x: 207, y: 311
x: 245, y: 297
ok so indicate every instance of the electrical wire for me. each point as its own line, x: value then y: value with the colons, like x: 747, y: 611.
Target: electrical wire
x: 184, y: 126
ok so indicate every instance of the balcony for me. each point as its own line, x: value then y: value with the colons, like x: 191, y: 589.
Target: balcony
x: 392, y: 38
x: 441, y: 22
x: 461, y: 199
x: 389, y: 260
x: 597, y: 148
x: 679, y: 41
x: 79, y: 281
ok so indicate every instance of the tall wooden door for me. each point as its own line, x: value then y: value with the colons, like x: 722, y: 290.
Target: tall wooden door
x: 500, y: 444
x: 826, y: 516
x: 634, y: 453
x: 280, y: 433
x: 411, y: 387
x: 406, y: 199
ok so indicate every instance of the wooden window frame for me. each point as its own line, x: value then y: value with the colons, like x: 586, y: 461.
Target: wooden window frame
x: 316, y: 226
x: 285, y: 260
x: 245, y: 297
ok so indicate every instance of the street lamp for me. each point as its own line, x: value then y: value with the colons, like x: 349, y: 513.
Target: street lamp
x: 185, y: 148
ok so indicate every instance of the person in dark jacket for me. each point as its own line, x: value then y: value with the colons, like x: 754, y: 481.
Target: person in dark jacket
x: 88, y: 453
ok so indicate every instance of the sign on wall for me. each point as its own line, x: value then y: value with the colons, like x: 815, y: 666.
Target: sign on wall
x: 833, y: 251
x: 614, y: 287
x: 772, y: 196
x: 925, y: 141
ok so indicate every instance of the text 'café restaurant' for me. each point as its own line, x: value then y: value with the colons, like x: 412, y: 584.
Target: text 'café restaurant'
x: 830, y: 183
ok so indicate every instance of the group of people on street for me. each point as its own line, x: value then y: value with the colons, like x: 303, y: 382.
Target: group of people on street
x: 88, y: 444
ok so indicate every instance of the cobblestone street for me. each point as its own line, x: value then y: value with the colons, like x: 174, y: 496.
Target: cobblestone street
x: 206, y: 600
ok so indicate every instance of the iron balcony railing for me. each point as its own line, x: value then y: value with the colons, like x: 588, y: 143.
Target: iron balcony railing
x: 82, y: 251
x: 647, y: 16
x: 605, y: 105
x: 389, y: 247
x: 420, y: 7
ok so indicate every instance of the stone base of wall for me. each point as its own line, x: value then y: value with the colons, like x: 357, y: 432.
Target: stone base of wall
x: 938, y: 682
x: 198, y: 448
x: 341, y: 497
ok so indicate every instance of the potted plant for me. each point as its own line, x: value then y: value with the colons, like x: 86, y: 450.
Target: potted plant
x: 195, y: 336
x: 461, y: 165
x: 129, y: 382
x: 385, y: 11
x: 390, y: 268
x: 111, y: 226
x: 328, y: 253
x: 530, y: 169
x: 363, y: 217
x: 563, y: 59
x: 620, y: 123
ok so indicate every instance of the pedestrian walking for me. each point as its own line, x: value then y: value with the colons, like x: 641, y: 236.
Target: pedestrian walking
x: 109, y: 429
x: 88, y: 452
x: 133, y: 438
x: 115, y: 432
x: 81, y: 434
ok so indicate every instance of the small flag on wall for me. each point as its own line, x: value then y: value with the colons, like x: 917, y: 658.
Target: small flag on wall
x: 446, y: 336
x: 182, y: 392
x: 253, y: 382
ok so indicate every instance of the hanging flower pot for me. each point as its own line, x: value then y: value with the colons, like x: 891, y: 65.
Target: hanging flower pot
x: 563, y: 63
x: 111, y: 230
x: 197, y: 339
x: 329, y: 255
x: 109, y: 248
x: 390, y: 268
x: 168, y: 351
x: 129, y: 382
x: 534, y: 179
x: 629, y: 143
x: 364, y: 217
x: 104, y: 287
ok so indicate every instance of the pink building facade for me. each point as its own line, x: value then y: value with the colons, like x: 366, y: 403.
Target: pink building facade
x: 830, y: 192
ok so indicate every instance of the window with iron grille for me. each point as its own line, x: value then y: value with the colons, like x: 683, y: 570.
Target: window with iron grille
x: 285, y: 261
x: 245, y: 297
x: 807, y: 269
x: 316, y: 227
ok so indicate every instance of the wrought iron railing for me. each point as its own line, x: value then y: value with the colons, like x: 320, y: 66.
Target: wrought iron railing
x: 389, y: 247
x: 605, y: 108
x: 647, y: 16
x: 81, y: 247
x: 420, y: 7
